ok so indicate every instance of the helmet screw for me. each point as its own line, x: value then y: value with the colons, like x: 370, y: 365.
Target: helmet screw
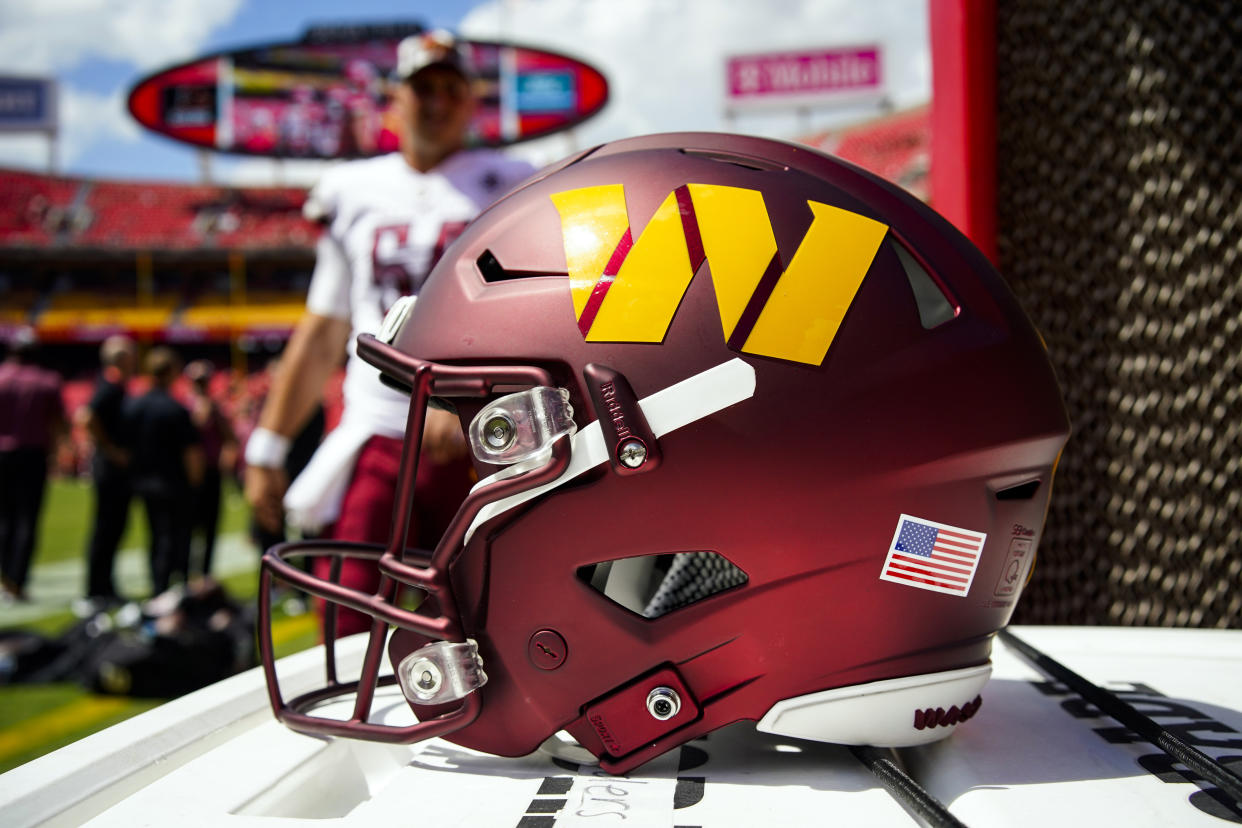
x: 498, y: 432
x: 663, y: 703
x: 632, y: 453
x: 547, y: 649
x: 426, y: 678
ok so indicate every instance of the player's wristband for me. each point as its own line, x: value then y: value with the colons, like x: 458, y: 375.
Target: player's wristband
x: 266, y: 449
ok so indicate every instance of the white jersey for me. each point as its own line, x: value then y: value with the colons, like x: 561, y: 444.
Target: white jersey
x: 386, y: 225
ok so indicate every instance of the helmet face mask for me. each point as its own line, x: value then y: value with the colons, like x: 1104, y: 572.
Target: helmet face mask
x: 783, y: 376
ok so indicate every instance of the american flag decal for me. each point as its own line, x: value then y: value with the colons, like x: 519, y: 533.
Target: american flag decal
x: 933, y: 556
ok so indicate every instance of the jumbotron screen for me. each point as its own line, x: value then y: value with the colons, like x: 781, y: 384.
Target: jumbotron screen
x: 328, y: 95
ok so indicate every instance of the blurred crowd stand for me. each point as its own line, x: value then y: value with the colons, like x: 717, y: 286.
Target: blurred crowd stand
x: 128, y: 433
x: 167, y: 437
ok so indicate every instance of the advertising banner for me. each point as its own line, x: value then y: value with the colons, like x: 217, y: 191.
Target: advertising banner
x: 27, y: 104
x: 803, y: 77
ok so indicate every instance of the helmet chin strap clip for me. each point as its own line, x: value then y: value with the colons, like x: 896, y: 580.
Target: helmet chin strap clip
x: 521, y: 426
x: 444, y: 671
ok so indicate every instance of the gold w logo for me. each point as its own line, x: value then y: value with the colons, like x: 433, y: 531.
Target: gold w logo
x: 627, y: 290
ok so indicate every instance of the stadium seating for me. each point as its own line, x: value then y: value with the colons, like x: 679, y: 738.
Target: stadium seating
x: 179, y: 216
x: 896, y: 147
x: 42, y: 211
x: 35, y: 209
x: 76, y: 248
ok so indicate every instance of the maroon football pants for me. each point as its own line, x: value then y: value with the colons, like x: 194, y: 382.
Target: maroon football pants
x: 367, y: 514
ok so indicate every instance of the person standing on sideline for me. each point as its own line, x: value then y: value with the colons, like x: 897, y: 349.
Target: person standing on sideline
x: 167, y: 466
x: 103, y: 420
x: 386, y: 222
x: 32, y: 422
x: 219, y: 450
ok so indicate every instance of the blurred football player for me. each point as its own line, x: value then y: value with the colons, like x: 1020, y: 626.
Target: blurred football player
x: 219, y: 453
x: 386, y: 221
x: 32, y: 422
x: 103, y: 418
x: 166, y: 467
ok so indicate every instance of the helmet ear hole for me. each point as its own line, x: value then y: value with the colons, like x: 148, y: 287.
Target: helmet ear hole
x: 655, y: 585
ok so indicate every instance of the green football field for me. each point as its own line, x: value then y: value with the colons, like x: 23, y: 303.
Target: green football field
x: 37, y: 718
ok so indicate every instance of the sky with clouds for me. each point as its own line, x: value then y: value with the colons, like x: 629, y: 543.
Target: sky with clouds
x: 664, y: 60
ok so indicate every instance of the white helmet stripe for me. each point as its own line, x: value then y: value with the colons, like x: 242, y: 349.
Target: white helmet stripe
x: 671, y: 408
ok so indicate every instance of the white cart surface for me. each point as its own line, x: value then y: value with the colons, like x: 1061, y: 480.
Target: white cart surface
x: 1037, y: 754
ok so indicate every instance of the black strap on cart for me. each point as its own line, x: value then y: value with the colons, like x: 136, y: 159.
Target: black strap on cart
x: 928, y: 810
x: 1125, y: 713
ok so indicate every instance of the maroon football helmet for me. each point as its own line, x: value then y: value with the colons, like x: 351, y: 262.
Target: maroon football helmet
x: 759, y: 436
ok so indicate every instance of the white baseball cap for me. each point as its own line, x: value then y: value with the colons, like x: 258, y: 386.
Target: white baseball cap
x: 435, y: 48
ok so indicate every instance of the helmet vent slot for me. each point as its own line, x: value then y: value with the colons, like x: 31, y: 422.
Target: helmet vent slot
x: 934, y: 307
x: 492, y: 270
x: 738, y: 159
x: 655, y: 585
x: 1022, y: 491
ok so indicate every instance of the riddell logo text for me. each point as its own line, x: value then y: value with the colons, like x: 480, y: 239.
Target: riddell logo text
x: 611, y: 744
x: 609, y: 392
x: 627, y: 289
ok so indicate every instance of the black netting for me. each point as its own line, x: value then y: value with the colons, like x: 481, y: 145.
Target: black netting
x: 1119, y: 198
